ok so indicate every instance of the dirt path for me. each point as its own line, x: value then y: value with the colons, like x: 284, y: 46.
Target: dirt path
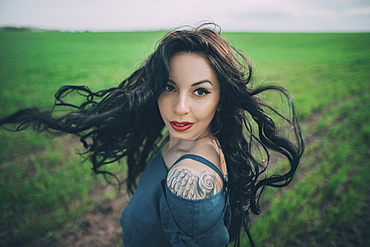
x: 98, y: 228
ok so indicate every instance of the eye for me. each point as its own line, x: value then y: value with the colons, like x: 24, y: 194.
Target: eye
x: 169, y: 88
x: 201, y: 92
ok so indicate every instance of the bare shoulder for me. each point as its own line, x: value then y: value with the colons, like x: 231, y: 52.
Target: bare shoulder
x: 190, y: 180
x: 210, y: 150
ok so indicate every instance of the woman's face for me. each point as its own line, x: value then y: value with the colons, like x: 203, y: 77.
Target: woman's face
x: 191, y: 97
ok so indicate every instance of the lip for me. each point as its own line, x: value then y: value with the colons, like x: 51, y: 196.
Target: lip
x: 181, y: 126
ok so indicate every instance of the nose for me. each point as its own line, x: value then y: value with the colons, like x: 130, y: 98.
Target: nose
x: 182, y: 106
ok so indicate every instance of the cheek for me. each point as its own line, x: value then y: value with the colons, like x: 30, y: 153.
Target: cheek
x: 161, y: 106
x: 164, y: 106
x: 206, y: 112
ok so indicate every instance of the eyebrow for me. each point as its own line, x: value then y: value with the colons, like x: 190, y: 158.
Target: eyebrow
x: 194, y: 84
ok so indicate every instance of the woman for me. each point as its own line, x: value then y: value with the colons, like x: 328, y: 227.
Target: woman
x: 203, y: 176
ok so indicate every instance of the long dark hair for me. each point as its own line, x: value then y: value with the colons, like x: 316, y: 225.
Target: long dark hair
x: 124, y: 122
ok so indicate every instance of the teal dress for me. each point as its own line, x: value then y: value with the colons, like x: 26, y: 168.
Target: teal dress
x: 157, y: 217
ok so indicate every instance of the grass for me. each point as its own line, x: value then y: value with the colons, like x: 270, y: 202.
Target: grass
x: 45, y: 186
x: 318, y: 68
x: 329, y: 196
x: 42, y: 192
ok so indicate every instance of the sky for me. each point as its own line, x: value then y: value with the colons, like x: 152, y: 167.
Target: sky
x: 231, y: 15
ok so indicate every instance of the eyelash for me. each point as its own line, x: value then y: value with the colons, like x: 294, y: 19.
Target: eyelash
x: 201, y: 91
x: 169, y: 88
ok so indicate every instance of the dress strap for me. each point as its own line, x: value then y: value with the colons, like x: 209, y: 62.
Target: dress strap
x: 201, y: 160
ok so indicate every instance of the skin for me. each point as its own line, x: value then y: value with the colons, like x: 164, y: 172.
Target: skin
x: 192, y: 96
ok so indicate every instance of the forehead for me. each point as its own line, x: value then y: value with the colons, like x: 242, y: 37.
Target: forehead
x: 190, y: 68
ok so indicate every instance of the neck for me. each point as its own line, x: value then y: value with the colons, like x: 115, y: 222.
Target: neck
x: 184, y: 145
x: 180, y: 144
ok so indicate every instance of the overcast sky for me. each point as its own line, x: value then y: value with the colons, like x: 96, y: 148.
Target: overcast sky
x: 231, y: 15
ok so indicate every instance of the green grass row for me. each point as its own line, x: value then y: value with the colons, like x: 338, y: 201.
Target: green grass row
x: 317, y: 68
x: 46, y: 190
x: 44, y: 185
x: 333, y: 189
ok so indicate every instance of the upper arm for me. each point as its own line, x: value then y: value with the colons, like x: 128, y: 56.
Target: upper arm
x: 192, y: 180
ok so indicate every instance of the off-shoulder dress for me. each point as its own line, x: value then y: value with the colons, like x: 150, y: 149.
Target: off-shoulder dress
x: 157, y: 217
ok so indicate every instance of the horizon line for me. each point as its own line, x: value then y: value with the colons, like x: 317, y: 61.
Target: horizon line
x: 40, y: 29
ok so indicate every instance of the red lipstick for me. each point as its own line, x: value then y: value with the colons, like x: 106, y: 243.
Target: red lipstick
x: 180, y: 126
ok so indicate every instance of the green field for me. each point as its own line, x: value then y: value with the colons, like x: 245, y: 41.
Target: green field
x: 45, y: 187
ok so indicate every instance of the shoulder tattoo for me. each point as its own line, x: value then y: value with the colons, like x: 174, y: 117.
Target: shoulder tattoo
x: 183, y: 183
